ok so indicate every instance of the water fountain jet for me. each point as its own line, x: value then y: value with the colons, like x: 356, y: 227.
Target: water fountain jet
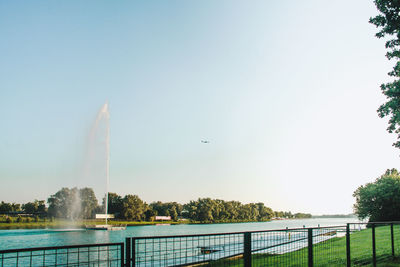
x: 104, y: 115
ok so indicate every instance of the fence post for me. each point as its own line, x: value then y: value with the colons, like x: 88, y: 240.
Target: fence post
x: 373, y: 246
x: 392, y: 237
x: 133, y: 253
x: 247, y: 249
x: 310, y: 248
x: 122, y: 254
x: 348, y: 256
x: 128, y: 251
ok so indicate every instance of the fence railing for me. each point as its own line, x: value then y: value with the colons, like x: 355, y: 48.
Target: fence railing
x: 354, y: 244
x: 107, y: 254
x: 285, y: 247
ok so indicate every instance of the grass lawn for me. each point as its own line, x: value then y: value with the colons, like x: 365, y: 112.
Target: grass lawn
x: 59, y: 223
x: 332, y: 252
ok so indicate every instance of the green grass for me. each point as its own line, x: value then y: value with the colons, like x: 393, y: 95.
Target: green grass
x: 41, y: 223
x: 60, y: 223
x: 333, y: 252
x: 131, y: 223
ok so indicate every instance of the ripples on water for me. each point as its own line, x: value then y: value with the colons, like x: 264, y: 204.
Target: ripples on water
x: 10, y: 239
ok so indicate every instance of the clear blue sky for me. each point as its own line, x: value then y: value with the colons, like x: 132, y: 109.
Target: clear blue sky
x: 286, y: 92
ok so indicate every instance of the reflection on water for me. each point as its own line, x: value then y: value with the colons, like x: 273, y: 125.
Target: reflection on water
x: 59, y: 237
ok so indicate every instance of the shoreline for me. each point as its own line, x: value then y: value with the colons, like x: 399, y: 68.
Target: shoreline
x: 81, y: 224
x: 65, y: 224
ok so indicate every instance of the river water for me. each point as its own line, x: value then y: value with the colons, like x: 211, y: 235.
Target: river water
x: 12, y: 239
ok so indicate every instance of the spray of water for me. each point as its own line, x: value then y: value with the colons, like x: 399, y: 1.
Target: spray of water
x: 76, y: 205
x: 100, y: 129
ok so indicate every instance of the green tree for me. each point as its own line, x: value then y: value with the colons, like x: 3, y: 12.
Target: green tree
x: 133, y: 208
x: 159, y: 208
x: 173, y: 213
x: 190, y: 210
x: 380, y: 200
x: 388, y: 21
x: 172, y: 209
x: 88, y: 202
x: 149, y: 214
x: 15, y: 207
x: 264, y: 212
x: 5, y: 208
x: 41, y: 207
x: 65, y: 203
x: 231, y: 211
x: 30, y: 207
x: 37, y: 206
x: 115, y: 205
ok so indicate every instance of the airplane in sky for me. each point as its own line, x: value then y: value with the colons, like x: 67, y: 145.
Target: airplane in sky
x: 205, y: 141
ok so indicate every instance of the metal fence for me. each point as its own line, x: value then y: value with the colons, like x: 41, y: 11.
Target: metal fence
x: 285, y: 247
x: 354, y: 244
x: 109, y: 254
x: 377, y: 243
x: 350, y: 245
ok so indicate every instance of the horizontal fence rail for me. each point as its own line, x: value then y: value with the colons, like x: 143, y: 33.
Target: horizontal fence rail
x: 261, y: 248
x: 354, y: 244
x: 184, y: 250
x: 107, y: 254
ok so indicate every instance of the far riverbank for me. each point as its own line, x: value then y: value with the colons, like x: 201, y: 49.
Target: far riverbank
x: 23, y: 238
x: 62, y: 224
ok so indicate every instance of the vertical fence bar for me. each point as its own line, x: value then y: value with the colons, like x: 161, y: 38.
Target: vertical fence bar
x: 310, y: 248
x: 392, y: 238
x: 247, y: 249
x: 348, y: 256
x: 133, y: 253
x: 122, y: 255
x: 373, y: 246
x: 128, y: 251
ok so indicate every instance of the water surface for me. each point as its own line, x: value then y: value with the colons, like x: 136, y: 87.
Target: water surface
x: 10, y: 239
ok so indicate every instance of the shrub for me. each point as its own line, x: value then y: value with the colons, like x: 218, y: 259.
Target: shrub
x: 19, y: 219
x: 9, y: 219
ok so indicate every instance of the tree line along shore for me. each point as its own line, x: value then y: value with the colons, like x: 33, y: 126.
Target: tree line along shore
x: 378, y: 201
x: 81, y: 205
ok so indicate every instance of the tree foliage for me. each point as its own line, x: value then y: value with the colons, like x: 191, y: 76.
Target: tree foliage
x: 380, y: 200
x: 388, y: 21
x: 88, y: 203
x: 133, y: 208
x: 35, y: 207
x: 6, y: 208
x: 215, y: 210
x: 172, y: 209
x: 115, y: 204
x: 73, y: 203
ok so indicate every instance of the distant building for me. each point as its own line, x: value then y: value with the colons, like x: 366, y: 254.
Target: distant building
x: 162, y: 218
x: 103, y: 216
